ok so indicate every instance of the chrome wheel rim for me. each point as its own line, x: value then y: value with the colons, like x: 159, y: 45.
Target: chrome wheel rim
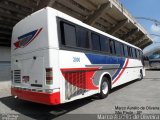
x: 105, y: 87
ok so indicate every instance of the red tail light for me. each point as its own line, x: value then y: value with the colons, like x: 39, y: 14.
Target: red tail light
x: 49, y: 76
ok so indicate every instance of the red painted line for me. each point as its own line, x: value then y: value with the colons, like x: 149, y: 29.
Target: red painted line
x: 121, y: 71
x: 37, y: 97
x: 17, y: 44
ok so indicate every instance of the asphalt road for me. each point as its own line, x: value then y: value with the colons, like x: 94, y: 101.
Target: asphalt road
x: 134, y: 97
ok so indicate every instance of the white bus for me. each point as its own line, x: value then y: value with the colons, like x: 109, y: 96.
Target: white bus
x: 56, y: 59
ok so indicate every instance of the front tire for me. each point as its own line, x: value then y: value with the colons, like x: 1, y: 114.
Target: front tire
x: 104, y: 88
x: 141, y: 75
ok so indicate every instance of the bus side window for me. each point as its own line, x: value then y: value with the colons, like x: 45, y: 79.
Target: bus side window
x: 69, y: 35
x: 104, y: 41
x: 118, y: 48
x: 122, y: 50
x: 138, y: 56
x: 133, y: 53
x: 125, y: 50
x: 82, y: 37
x: 112, y: 46
x: 129, y: 51
x: 95, y: 41
x: 142, y: 57
x: 141, y: 54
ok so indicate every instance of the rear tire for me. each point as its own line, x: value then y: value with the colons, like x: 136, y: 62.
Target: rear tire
x: 104, y: 88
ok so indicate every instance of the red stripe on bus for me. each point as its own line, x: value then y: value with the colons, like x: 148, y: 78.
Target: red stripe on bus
x: 121, y: 71
x: 34, y: 36
x: 38, y: 97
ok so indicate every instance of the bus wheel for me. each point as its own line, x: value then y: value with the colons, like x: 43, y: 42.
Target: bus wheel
x: 141, y: 75
x: 104, y: 88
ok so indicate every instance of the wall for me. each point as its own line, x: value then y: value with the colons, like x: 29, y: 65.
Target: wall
x: 5, y: 64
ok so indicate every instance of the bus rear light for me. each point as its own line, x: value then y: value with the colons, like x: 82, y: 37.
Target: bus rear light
x: 49, y: 76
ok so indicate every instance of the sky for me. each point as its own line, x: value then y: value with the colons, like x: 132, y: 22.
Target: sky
x: 148, y: 9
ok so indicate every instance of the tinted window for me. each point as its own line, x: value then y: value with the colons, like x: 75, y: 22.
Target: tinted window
x: 133, y: 53
x: 118, y: 48
x: 95, y: 41
x: 125, y: 51
x: 69, y: 35
x: 112, y: 47
x: 137, y: 54
x: 129, y: 51
x: 141, y: 54
x: 122, y: 49
x: 104, y: 42
x: 82, y: 38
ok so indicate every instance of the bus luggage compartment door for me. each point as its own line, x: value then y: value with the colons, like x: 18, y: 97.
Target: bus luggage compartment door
x: 33, y: 71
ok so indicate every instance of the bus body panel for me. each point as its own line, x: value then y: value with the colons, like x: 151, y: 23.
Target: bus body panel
x: 31, y: 56
x: 77, y: 62
x: 37, y: 55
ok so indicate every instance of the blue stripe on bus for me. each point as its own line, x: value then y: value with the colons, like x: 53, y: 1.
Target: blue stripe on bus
x: 28, y: 34
x: 101, y: 59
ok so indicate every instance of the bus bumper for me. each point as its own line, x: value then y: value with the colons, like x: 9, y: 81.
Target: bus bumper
x: 38, y: 97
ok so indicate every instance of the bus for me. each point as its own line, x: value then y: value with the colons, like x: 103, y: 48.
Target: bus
x: 154, y: 61
x: 56, y: 59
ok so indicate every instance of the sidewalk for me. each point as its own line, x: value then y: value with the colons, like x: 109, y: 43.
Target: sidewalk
x: 5, y: 88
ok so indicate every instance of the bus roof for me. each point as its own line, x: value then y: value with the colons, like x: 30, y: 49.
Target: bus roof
x: 76, y: 21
